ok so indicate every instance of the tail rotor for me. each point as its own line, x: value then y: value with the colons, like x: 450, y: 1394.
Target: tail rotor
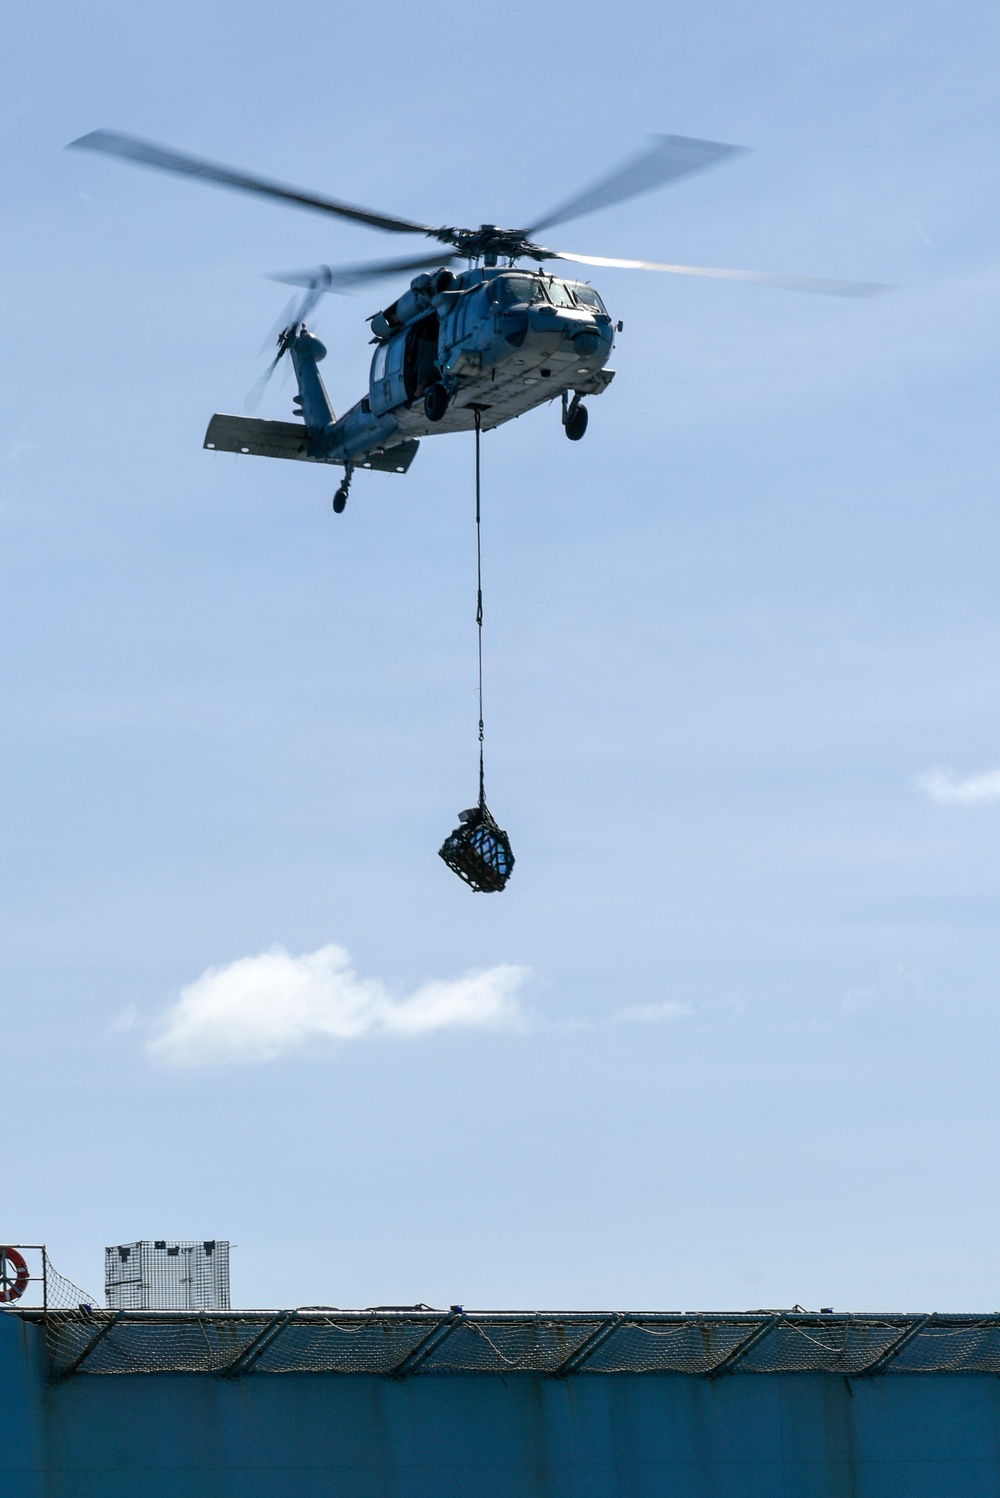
x: 286, y: 330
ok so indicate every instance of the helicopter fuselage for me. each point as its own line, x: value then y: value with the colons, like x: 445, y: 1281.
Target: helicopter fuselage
x: 499, y: 341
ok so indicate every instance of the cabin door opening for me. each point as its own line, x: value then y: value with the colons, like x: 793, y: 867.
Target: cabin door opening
x: 420, y: 367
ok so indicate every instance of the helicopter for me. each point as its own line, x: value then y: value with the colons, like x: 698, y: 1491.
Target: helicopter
x: 459, y: 349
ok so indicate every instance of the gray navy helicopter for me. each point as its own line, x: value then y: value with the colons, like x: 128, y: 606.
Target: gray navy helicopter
x: 460, y: 349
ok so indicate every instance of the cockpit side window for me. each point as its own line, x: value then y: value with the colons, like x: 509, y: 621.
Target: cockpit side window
x: 378, y: 367
x: 586, y: 296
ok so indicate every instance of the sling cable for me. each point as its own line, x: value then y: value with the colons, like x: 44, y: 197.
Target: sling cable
x: 478, y: 850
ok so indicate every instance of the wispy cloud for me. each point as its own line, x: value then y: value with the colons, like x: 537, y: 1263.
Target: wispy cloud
x: 653, y: 1014
x: 960, y: 790
x: 276, y: 1004
x: 658, y: 1012
x: 126, y: 1019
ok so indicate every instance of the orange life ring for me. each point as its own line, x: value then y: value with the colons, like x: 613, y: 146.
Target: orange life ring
x: 12, y: 1289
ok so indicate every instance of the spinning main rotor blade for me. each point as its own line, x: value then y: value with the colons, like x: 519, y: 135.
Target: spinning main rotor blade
x: 346, y: 276
x: 145, y: 153
x: 817, y: 284
x: 665, y: 158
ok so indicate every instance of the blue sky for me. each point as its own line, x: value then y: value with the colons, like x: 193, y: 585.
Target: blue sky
x: 735, y: 1043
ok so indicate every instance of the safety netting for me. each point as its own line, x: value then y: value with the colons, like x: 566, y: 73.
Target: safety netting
x: 401, y: 1344
x: 30, y: 1280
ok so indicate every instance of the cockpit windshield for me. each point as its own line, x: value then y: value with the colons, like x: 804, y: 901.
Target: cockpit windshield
x: 519, y: 289
x: 560, y: 294
x: 587, y: 297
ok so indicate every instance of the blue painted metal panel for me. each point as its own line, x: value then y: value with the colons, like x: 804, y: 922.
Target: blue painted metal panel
x: 754, y: 1435
x: 22, y: 1399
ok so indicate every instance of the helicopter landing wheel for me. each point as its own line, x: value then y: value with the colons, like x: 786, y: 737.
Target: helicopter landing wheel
x: 576, y: 424
x: 435, y: 402
x: 340, y: 498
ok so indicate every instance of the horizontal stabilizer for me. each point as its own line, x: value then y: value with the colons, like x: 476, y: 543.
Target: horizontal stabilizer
x: 290, y: 439
x: 264, y: 439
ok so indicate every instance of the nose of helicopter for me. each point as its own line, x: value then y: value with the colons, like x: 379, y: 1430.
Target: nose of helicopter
x: 568, y: 327
x: 545, y: 317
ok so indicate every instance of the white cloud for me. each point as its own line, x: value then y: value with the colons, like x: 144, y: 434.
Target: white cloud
x: 957, y: 790
x: 276, y: 1004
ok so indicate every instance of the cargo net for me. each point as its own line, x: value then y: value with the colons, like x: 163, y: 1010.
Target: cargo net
x: 403, y: 1344
x: 478, y: 851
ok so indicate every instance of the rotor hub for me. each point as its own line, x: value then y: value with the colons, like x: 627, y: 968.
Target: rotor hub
x: 491, y: 243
